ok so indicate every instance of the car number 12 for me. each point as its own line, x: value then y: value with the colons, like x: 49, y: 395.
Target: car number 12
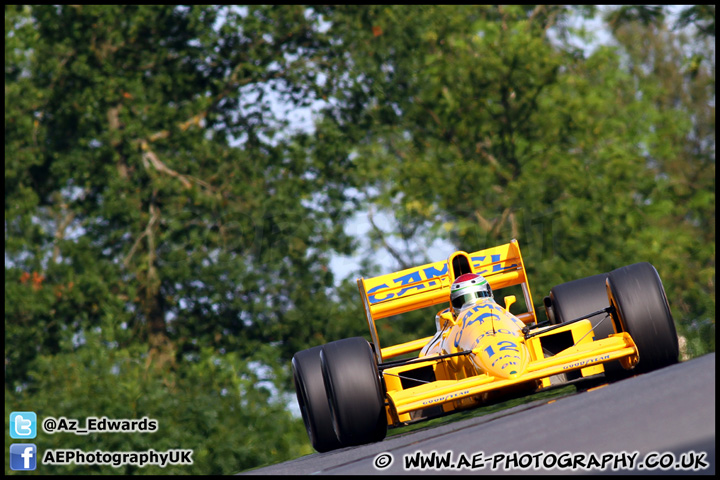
x: 504, y: 346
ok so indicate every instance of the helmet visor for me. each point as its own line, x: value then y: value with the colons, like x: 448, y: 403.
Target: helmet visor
x: 461, y: 300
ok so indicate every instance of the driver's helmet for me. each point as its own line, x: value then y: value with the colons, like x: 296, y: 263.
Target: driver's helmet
x: 466, y: 289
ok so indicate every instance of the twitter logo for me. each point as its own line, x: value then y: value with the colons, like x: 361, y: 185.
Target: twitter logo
x: 23, y: 425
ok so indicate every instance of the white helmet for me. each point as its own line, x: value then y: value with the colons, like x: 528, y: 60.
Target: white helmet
x: 468, y: 288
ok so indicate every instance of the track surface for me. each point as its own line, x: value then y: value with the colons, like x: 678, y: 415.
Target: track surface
x: 669, y: 411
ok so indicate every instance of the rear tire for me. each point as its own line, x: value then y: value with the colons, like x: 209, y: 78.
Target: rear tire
x: 312, y: 399
x: 641, y: 309
x: 354, y: 390
x: 574, y: 299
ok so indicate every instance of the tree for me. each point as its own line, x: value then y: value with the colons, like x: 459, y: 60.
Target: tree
x: 148, y: 179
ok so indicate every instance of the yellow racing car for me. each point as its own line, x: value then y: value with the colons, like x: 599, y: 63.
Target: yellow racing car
x: 350, y: 391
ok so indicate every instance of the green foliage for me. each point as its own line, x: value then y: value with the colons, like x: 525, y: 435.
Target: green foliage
x: 154, y: 178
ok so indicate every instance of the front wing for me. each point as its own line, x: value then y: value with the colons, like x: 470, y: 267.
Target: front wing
x: 457, y: 393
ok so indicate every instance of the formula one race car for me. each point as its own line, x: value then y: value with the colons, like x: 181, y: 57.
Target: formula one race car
x: 350, y: 391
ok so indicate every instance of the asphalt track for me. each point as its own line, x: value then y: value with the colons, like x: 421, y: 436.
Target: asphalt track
x: 663, y: 416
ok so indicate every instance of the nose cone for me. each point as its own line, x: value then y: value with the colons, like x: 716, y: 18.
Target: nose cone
x: 502, y: 356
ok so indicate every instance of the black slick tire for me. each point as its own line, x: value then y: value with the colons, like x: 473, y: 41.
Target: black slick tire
x: 574, y: 299
x: 641, y: 308
x: 354, y: 391
x: 312, y: 399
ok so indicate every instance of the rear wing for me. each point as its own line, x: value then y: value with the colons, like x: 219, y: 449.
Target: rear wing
x: 427, y: 285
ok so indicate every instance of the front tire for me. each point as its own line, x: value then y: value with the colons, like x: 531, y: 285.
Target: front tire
x: 354, y: 391
x: 312, y: 399
x: 641, y: 309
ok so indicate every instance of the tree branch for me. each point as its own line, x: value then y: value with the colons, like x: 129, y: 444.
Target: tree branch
x: 60, y: 233
x: 403, y: 263
x: 150, y: 159
x: 154, y: 216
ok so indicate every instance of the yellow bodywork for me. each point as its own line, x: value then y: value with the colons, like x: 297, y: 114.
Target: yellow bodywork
x: 484, y: 349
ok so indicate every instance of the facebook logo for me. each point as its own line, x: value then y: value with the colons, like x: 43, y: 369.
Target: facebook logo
x: 23, y: 456
x: 23, y: 425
